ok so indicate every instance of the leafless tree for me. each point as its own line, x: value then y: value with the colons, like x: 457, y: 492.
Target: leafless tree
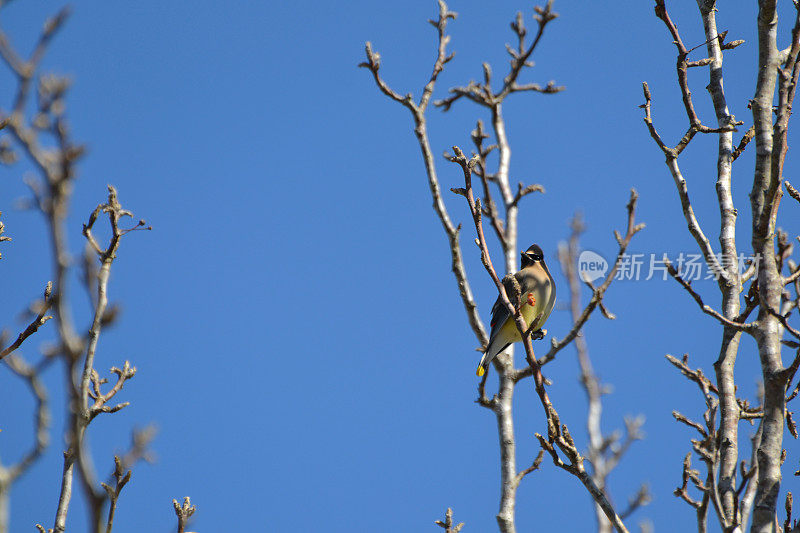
x: 753, y: 491
x: 43, y: 138
x: 603, y: 451
x: 499, y: 203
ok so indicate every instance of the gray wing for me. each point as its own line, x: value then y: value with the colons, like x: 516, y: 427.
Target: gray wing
x: 499, y: 312
x: 499, y: 317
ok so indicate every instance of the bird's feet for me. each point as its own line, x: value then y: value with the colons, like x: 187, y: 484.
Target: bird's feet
x: 538, y: 334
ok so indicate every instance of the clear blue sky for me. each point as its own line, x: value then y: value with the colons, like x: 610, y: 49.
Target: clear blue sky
x: 295, y: 389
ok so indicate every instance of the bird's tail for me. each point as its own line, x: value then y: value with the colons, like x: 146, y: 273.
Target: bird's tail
x: 483, y: 364
x: 490, y: 353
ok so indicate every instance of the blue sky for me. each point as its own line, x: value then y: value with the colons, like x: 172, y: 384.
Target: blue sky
x: 293, y: 387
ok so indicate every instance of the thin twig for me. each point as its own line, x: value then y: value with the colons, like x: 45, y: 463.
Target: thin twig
x: 447, y: 524
x: 90, y: 382
x: 37, y: 322
x: 121, y: 478
x: 703, y: 307
x: 184, y: 512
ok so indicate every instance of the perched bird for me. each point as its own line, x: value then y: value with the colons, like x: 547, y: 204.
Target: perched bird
x: 538, y: 295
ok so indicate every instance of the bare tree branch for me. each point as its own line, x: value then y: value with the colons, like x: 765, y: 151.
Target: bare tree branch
x: 34, y: 326
x: 418, y: 112
x: 771, y: 147
x: 604, y: 451
x: 448, y: 525
x: 732, y: 286
x: 748, y: 136
x: 794, y: 193
x: 121, y: 478
x: 718, y: 448
x: 520, y: 58
x: 90, y: 382
x: 184, y: 512
x: 703, y: 307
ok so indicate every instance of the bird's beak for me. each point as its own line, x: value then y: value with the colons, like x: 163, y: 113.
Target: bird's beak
x: 527, y: 255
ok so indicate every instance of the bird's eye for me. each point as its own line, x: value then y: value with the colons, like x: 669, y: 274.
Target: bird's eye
x: 537, y: 257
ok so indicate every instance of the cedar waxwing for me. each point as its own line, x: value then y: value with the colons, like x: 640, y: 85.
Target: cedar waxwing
x: 538, y: 291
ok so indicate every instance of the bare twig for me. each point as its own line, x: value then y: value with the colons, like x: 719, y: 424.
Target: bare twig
x: 121, y: 478
x: 139, y: 449
x: 90, y: 382
x: 748, y: 136
x: 483, y: 94
x: 534, y: 466
x: 604, y: 451
x: 683, y: 191
x: 3, y: 238
x: 447, y: 524
x: 694, y: 375
x: 373, y: 64
x: 794, y: 193
x: 37, y: 322
x: 639, y: 500
x: 524, y: 191
x: 184, y: 512
x: 681, y: 68
x: 703, y: 307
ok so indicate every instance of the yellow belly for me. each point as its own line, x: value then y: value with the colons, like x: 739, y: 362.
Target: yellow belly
x: 530, y: 313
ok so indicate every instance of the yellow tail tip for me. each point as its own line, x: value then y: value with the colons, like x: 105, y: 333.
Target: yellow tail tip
x: 480, y: 371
